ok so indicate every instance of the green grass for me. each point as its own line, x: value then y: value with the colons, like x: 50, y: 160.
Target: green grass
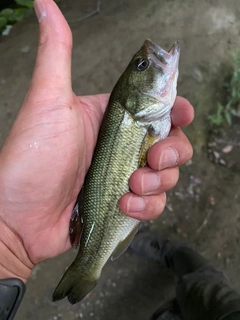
x: 231, y: 89
x: 10, y: 16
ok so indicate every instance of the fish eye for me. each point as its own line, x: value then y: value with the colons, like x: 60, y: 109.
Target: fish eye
x: 142, y: 64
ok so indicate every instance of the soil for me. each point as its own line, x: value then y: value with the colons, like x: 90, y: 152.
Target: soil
x: 203, y: 209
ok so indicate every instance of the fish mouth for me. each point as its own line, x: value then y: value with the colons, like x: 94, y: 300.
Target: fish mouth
x: 164, y: 57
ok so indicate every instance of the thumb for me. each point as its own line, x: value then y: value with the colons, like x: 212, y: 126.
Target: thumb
x: 53, y: 64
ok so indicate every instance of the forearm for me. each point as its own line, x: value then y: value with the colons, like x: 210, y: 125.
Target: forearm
x: 14, y: 260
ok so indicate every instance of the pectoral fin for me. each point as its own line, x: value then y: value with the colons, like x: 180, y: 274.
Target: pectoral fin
x: 148, y: 141
x: 76, y: 222
x: 123, y: 245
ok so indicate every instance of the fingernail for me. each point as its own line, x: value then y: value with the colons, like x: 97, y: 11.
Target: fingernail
x: 135, y: 204
x: 169, y: 158
x: 40, y: 10
x: 150, y: 182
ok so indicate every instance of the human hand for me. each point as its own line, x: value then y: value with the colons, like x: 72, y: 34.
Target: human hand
x: 148, y: 185
x: 45, y: 158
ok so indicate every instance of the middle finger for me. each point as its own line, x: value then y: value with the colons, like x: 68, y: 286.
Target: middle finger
x: 146, y: 181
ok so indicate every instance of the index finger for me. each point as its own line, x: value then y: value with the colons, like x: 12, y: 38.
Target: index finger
x: 182, y: 113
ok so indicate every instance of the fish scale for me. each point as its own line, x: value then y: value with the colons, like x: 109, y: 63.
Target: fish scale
x: 125, y: 145
x: 137, y: 116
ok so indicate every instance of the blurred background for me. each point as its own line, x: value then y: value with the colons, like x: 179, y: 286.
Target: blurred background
x: 203, y: 209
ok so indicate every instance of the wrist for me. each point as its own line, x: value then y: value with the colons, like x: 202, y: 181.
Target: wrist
x: 14, y: 260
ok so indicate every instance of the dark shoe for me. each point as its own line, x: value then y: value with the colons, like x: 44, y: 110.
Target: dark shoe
x: 169, y: 311
x: 148, y: 245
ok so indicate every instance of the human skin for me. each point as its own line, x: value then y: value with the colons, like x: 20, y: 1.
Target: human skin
x: 49, y: 149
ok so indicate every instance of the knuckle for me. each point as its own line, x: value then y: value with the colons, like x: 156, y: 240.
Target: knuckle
x: 43, y: 39
x: 170, y: 178
x: 188, y: 150
x: 190, y: 154
x: 175, y: 177
x: 156, y: 207
x: 135, y: 183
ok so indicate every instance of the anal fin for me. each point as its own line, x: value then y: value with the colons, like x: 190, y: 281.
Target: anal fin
x: 124, y: 244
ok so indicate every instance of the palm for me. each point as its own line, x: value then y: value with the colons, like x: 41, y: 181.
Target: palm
x: 63, y: 137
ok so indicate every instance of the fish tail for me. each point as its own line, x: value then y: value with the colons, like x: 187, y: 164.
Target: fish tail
x: 73, y: 285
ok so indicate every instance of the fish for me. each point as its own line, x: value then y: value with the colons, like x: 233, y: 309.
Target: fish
x: 136, y: 117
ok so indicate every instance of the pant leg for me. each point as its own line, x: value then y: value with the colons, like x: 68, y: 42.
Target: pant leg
x: 182, y: 259
x: 232, y: 316
x: 203, y: 292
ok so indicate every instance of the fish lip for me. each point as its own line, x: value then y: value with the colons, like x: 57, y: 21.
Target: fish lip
x: 175, y: 49
x: 165, y: 57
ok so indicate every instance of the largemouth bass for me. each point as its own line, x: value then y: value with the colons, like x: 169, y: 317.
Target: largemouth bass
x: 137, y: 116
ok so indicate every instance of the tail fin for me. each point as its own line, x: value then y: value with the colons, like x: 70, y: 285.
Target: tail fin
x: 73, y: 285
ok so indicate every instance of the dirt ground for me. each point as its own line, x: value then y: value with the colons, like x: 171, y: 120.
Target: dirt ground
x: 203, y: 209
